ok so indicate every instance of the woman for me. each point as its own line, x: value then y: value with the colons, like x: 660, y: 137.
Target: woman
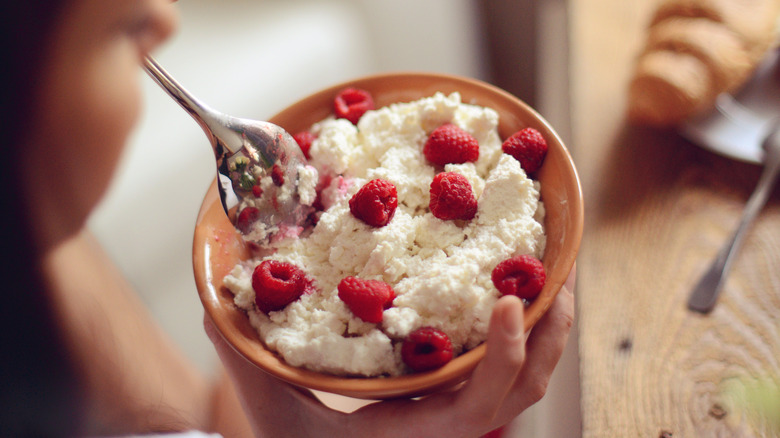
x: 81, y: 355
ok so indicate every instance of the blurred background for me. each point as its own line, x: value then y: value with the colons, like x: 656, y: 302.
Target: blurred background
x: 252, y: 58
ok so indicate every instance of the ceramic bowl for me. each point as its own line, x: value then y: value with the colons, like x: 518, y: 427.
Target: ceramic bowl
x: 217, y: 248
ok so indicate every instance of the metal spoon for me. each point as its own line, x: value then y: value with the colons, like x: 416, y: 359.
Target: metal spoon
x: 246, y: 152
x: 705, y: 294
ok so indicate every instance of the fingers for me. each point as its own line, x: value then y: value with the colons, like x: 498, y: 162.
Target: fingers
x: 238, y: 368
x: 512, y: 376
x: 474, y: 406
x: 495, y: 376
x: 548, y: 339
x: 243, y: 371
x: 274, y: 408
x: 229, y: 358
x: 543, y: 351
x: 570, y: 280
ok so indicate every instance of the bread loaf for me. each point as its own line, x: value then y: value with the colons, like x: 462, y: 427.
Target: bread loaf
x: 695, y: 50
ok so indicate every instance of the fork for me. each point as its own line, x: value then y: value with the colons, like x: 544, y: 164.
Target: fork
x: 704, y: 296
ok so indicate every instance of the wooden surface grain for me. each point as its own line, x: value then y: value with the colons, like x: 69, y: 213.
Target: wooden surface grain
x: 658, y: 208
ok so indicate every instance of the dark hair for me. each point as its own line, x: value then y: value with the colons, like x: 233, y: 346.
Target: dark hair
x: 39, y: 386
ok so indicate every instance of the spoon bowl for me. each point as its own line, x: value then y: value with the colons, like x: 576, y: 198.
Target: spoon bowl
x: 258, y: 166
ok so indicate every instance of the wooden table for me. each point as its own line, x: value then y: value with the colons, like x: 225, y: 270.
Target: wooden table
x: 657, y: 210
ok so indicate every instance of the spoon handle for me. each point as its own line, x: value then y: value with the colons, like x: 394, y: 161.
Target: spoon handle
x: 212, y: 122
x: 705, y: 294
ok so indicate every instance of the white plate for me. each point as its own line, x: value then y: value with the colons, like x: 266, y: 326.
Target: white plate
x: 739, y: 123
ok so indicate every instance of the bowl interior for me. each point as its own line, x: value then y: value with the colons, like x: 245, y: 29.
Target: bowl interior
x: 217, y: 247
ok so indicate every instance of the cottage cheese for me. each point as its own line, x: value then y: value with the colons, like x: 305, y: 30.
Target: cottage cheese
x: 276, y: 235
x: 440, y: 270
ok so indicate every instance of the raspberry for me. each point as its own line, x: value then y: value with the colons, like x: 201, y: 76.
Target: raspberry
x: 257, y: 191
x: 304, y: 140
x: 522, y: 276
x: 352, y: 103
x: 277, y: 284
x: 450, y: 144
x: 426, y: 349
x: 277, y: 175
x: 452, y: 197
x: 495, y: 433
x: 367, y: 299
x: 375, y: 202
x: 246, y: 218
x: 528, y: 147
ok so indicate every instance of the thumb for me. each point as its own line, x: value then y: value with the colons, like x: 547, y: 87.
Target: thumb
x: 495, y: 375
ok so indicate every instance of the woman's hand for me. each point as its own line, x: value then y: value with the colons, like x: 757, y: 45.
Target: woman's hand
x: 512, y: 376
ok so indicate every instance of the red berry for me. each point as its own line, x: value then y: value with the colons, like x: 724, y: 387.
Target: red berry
x: 528, y: 146
x: 277, y: 284
x: 495, y: 433
x: 246, y: 218
x: 522, y: 276
x: 304, y: 140
x: 426, y: 349
x: 277, y: 175
x: 367, y: 299
x: 452, y: 197
x: 352, y: 103
x: 450, y: 144
x: 257, y: 191
x: 375, y: 202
